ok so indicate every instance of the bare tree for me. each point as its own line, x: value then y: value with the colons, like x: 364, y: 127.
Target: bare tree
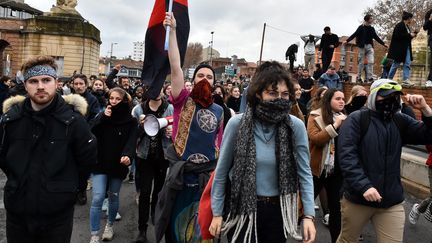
x: 387, y: 13
x: 193, y: 54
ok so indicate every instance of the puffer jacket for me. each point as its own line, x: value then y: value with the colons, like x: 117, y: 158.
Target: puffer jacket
x: 41, y: 153
x: 374, y: 159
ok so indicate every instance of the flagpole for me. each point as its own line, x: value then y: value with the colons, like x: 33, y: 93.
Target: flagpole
x: 262, y: 44
x: 168, y: 27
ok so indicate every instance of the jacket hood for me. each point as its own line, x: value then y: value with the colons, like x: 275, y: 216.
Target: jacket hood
x: 78, y: 103
x: 373, y: 93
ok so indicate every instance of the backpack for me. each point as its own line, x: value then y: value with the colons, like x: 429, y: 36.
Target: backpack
x: 308, y: 42
x: 365, y: 121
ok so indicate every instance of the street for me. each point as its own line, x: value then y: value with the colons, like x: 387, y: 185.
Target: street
x: 126, y: 229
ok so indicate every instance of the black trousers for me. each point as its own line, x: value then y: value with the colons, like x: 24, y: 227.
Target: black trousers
x: 326, y: 57
x: 39, y: 229
x: 333, y: 186
x: 269, y: 224
x: 291, y: 61
x: 151, y: 172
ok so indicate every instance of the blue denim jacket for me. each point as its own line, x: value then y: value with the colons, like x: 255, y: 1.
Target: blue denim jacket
x: 144, y: 144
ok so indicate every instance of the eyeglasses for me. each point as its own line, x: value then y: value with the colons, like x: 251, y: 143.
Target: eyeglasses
x: 388, y: 86
x: 274, y: 94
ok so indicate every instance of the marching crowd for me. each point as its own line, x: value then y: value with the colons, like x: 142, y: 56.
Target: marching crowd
x: 242, y: 159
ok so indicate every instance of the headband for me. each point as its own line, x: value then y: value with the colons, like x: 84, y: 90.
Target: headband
x: 39, y: 70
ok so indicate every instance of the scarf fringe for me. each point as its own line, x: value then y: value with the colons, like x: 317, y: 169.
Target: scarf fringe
x: 289, y: 210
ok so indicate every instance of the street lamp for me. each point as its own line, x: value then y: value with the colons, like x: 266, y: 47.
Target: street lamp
x: 211, y: 49
x: 112, y: 45
x: 111, y: 55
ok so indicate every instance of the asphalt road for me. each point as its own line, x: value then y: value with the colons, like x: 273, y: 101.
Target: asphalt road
x: 126, y: 229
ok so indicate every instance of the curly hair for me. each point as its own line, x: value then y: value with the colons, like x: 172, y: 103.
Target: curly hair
x: 268, y: 74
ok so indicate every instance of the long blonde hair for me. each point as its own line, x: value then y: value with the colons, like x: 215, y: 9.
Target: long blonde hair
x: 356, y: 89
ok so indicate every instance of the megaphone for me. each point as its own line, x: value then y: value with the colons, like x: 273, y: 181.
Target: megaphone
x: 152, y: 124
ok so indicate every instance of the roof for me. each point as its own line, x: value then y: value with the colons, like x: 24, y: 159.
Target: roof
x: 129, y: 63
x: 20, y: 7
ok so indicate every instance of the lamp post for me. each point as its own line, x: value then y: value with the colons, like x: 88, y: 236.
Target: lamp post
x: 111, y: 55
x: 211, y: 49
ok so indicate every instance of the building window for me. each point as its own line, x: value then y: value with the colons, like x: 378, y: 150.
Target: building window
x: 13, y: 13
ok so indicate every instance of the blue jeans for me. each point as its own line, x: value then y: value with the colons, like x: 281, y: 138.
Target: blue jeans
x: 406, y: 67
x: 99, y: 186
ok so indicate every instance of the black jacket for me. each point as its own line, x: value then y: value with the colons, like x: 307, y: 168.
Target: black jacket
x: 41, y: 153
x: 400, y: 42
x: 327, y: 40
x: 4, y: 94
x: 374, y: 160
x: 291, y: 52
x: 365, y: 34
x: 117, y: 136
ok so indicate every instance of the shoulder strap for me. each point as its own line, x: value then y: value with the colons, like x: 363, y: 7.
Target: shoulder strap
x: 364, y: 122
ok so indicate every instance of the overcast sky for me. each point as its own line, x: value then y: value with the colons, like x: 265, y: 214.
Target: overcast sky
x: 237, y: 24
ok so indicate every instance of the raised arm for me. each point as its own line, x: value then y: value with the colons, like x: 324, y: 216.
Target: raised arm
x: 177, y: 81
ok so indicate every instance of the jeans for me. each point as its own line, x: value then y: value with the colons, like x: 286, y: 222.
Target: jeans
x: 367, y: 51
x: 39, y: 229
x: 309, y: 62
x: 151, y: 172
x: 406, y: 67
x: 100, y: 182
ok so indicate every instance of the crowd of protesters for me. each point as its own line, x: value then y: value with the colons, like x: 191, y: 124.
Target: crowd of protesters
x: 241, y: 152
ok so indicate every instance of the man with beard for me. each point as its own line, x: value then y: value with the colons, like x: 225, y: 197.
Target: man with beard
x: 79, y: 85
x: 45, y: 141
x: 372, y: 142
x: 197, y: 133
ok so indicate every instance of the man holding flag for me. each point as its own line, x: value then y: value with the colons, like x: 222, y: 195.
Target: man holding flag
x: 197, y: 133
x: 156, y: 65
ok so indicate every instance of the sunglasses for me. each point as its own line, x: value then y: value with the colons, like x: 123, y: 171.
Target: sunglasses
x: 388, y: 86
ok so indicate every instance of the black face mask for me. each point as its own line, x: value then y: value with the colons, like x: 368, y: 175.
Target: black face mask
x: 388, y: 106
x: 358, y: 102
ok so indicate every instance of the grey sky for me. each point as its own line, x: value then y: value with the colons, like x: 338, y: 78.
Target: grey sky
x: 237, y: 24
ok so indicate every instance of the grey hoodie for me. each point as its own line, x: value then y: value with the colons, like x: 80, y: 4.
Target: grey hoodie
x: 373, y: 94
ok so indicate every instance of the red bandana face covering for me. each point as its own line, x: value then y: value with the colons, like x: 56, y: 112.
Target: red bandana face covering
x: 202, y: 94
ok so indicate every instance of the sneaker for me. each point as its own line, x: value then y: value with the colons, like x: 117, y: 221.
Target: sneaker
x: 325, y: 219
x: 105, y: 205
x: 118, y: 216
x: 361, y: 238
x: 89, y: 185
x: 359, y: 80
x: 428, y: 84
x: 407, y: 83
x: 316, y: 207
x: 370, y: 80
x: 414, y: 214
x: 94, y: 239
x: 108, y: 233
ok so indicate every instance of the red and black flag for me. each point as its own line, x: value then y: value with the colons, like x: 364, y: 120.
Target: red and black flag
x: 156, y: 64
